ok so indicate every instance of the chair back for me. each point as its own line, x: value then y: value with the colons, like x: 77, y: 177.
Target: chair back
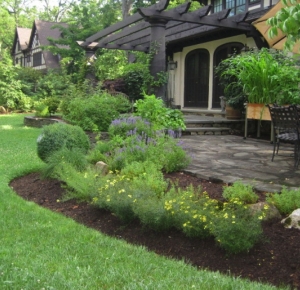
x: 284, y: 118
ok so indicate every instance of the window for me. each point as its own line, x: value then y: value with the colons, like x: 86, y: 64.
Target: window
x: 37, y: 58
x: 236, y: 6
x: 17, y: 60
x: 19, y: 46
x: 28, y: 58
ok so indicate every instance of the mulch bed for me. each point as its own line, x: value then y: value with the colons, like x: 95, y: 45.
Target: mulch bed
x: 276, y: 260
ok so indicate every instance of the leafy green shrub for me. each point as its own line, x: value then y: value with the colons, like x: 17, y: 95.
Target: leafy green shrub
x: 57, y: 136
x: 136, y: 77
x: 235, y: 228
x: 154, y: 110
x: 74, y: 157
x: 41, y: 110
x: 94, y: 113
x: 168, y: 152
x: 286, y: 201
x: 52, y: 103
x: 25, y: 104
x: 241, y: 192
x: 98, y: 152
x: 146, y: 174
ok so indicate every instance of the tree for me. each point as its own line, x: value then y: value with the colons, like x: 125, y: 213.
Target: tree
x: 55, y: 13
x: 10, y: 87
x: 83, y: 19
x: 288, y: 21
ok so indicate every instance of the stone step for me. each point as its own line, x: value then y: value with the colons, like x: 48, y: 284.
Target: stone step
x: 207, y: 130
x: 203, y: 112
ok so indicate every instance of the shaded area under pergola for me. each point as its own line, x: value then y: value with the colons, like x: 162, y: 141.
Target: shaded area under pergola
x: 162, y: 32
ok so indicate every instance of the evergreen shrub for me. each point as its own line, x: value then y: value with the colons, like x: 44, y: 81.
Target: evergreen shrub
x: 57, y: 136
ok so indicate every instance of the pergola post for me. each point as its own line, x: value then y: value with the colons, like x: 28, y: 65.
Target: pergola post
x: 158, y: 52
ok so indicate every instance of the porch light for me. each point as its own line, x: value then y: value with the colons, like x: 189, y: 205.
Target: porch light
x: 172, y: 65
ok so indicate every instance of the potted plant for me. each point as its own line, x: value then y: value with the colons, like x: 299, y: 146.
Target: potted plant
x: 233, y: 90
x: 265, y: 77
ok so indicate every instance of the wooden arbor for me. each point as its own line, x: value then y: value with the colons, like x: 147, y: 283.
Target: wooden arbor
x: 156, y: 27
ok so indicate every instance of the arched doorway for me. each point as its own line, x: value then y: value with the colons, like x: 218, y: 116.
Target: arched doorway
x: 222, y: 52
x: 196, y: 81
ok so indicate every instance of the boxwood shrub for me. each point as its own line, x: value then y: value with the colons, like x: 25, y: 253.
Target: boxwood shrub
x: 60, y: 135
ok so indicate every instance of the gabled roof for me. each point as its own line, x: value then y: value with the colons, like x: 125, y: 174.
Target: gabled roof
x: 23, y: 35
x: 45, y: 30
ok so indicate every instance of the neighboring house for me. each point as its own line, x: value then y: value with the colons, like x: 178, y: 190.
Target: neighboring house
x: 195, y: 41
x: 27, y: 51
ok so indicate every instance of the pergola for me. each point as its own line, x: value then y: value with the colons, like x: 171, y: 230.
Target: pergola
x: 161, y: 29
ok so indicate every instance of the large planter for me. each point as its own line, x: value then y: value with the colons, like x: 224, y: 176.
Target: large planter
x: 233, y: 114
x: 258, y: 112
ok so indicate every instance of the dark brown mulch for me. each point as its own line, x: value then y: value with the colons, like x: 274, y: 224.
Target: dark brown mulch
x: 276, y: 260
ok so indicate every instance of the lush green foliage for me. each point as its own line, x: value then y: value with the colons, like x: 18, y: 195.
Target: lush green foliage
x: 241, y: 192
x: 57, y: 136
x: 236, y: 228
x: 95, y: 112
x: 233, y: 89
x: 154, y: 110
x: 266, y: 77
x: 287, y: 20
x: 286, y: 201
x: 56, y: 162
x: 10, y: 87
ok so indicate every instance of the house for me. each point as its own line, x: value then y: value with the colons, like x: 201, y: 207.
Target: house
x: 27, y: 46
x: 193, y: 42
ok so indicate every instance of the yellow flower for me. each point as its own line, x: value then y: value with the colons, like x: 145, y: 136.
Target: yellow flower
x: 121, y: 190
x: 260, y: 217
x: 129, y: 195
x: 108, y: 200
x: 266, y: 206
x: 233, y: 222
x: 225, y: 215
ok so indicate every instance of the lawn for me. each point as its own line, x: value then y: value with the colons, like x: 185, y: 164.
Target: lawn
x: 45, y: 250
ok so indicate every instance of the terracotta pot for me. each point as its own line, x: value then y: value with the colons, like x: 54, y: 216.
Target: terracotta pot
x: 233, y: 114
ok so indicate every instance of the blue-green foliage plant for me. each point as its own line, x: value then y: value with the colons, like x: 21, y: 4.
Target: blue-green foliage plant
x: 58, y: 136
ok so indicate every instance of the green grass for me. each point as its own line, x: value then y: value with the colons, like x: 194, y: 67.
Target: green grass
x: 40, y: 249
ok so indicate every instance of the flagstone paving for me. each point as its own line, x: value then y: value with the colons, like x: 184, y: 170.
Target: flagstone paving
x: 228, y: 158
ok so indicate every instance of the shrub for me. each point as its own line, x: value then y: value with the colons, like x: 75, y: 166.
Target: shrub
x: 168, y: 152
x: 128, y: 126
x: 191, y: 210
x: 94, y: 113
x: 74, y: 157
x: 152, y: 213
x: 79, y: 185
x: 287, y: 201
x: 52, y: 103
x: 241, y: 192
x: 235, y: 228
x: 154, y: 110
x: 57, y: 136
x: 146, y: 174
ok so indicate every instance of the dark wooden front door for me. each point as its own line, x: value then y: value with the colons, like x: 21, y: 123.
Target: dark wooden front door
x: 196, y: 82
x: 221, y: 53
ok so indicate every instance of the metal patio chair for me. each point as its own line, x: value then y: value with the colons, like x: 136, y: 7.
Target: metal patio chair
x: 285, y: 121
